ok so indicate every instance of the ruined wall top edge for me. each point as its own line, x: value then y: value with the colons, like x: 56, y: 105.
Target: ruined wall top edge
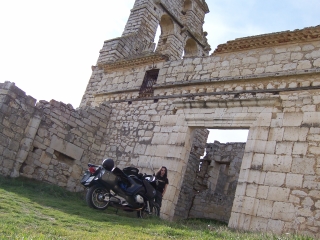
x: 9, y: 88
x: 270, y: 40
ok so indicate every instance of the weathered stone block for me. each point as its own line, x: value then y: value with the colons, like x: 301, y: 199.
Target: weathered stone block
x: 314, y: 150
x: 66, y: 148
x: 274, y: 179
x: 311, y: 118
x: 284, y: 148
x: 278, y: 194
x: 283, y: 211
x: 305, y: 212
x: 265, y: 209
x: 277, y: 163
x: 256, y: 177
x: 294, y: 180
x: 275, y: 226
x: 257, y: 159
x: 300, y: 148
x: 293, y: 119
x: 304, y: 64
x: 259, y: 224
x: 315, y: 194
x: 45, y: 158
x: 251, y: 190
x: 270, y: 147
x: 303, y: 165
x: 276, y: 134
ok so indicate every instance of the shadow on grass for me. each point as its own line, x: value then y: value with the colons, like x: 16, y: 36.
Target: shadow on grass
x: 51, y: 196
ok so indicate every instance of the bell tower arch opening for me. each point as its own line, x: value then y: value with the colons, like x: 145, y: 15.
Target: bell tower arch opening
x: 187, y: 6
x: 157, y: 37
x: 191, y: 48
x: 167, y: 26
x: 167, y: 29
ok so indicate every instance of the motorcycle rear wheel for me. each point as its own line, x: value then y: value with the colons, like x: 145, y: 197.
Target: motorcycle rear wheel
x: 143, y: 213
x: 96, y: 197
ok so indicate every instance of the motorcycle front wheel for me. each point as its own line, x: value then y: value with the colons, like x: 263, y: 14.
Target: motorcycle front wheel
x: 144, y: 213
x: 96, y: 197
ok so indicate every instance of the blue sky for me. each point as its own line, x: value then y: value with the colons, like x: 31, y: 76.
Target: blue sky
x: 230, y: 19
x: 48, y: 47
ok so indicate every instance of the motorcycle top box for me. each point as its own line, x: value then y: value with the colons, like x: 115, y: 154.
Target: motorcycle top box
x: 109, y: 178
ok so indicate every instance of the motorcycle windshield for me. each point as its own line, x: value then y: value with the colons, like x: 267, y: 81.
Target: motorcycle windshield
x: 151, y: 192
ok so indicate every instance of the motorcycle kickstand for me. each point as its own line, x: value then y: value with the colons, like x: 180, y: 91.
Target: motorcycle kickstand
x: 148, y: 206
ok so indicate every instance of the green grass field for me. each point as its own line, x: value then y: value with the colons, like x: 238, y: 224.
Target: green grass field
x: 36, y: 210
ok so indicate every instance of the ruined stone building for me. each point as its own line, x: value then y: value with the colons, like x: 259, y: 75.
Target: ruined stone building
x: 151, y: 107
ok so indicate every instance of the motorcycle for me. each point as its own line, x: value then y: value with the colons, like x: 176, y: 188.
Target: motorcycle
x: 125, y: 189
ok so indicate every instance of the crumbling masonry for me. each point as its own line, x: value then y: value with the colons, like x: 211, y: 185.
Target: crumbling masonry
x: 148, y: 107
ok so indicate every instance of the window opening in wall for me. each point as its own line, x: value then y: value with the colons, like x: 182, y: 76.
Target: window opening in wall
x: 227, y: 136
x: 149, y: 80
x: 183, y: 53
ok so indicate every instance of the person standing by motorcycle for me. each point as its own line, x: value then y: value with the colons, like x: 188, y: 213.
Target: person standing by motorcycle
x: 162, y: 183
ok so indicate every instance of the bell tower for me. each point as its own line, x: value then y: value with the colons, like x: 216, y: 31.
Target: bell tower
x: 182, y: 36
x: 181, y: 31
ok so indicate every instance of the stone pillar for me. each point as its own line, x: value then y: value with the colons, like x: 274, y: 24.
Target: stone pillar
x: 26, y: 144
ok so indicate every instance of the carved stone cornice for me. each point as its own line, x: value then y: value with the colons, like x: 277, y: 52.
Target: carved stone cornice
x: 270, y: 40
x: 203, y: 5
x: 133, y: 61
x: 253, y: 102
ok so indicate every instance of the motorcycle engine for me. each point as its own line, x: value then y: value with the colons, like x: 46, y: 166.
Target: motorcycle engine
x: 138, y: 198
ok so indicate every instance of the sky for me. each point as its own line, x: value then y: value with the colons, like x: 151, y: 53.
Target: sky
x: 47, y: 47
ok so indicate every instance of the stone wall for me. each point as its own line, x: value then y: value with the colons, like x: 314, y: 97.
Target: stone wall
x: 217, y: 181
x: 278, y: 187
x: 188, y: 190
x: 16, y: 126
x: 49, y: 141
x: 211, y: 77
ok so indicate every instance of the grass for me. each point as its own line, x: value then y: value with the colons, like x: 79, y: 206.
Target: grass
x: 37, y: 210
